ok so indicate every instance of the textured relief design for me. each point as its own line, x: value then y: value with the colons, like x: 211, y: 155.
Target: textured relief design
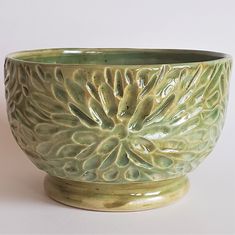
x: 116, y: 124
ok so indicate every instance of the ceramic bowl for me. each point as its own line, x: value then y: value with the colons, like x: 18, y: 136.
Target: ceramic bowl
x: 116, y: 129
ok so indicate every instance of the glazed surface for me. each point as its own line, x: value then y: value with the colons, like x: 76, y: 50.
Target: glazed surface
x: 116, y: 197
x: 117, y: 123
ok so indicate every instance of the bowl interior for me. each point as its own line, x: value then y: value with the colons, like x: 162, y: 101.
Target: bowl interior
x: 116, y: 56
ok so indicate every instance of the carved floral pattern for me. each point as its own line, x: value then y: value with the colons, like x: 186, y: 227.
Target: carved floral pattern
x: 118, y: 124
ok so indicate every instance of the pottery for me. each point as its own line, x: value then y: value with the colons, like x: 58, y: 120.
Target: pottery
x: 116, y: 129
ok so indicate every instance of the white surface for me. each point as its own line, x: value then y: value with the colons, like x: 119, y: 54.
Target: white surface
x: 209, y: 207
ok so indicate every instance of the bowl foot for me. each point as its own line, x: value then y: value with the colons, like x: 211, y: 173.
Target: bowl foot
x: 116, y: 197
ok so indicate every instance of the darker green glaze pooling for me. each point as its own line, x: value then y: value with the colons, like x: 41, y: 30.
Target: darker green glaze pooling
x: 119, y: 57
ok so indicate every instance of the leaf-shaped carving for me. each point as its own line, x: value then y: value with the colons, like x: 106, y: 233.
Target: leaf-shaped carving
x: 99, y: 115
x: 69, y: 150
x: 59, y: 75
x: 46, y: 129
x: 162, y: 161
x: 108, y: 76
x: 108, y: 145
x: 138, y: 160
x: 132, y: 174
x: 85, y: 137
x: 122, y: 159
x: 37, y: 81
x: 91, y: 163
x: 118, y: 84
x: 75, y: 91
x: 92, y: 90
x: 59, y: 93
x: 107, y: 99
x: 64, y: 119
x: 109, y: 160
x: 128, y: 103
x: 159, y: 113
x: 81, y: 115
x: 80, y: 76
x: 41, y: 74
x: 129, y: 76
x: 142, y: 111
x: 46, y: 103
x: 111, y: 174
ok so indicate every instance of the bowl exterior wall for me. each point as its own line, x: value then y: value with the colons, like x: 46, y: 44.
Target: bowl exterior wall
x: 116, y: 123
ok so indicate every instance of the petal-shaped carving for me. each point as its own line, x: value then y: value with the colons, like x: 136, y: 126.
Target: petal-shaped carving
x: 71, y: 168
x: 162, y: 161
x: 118, y: 84
x: 59, y: 75
x: 154, y: 132
x: 98, y: 78
x: 59, y: 93
x: 132, y: 174
x: 142, y: 145
x: 85, y: 137
x: 25, y: 91
x: 107, y: 99
x: 171, y: 145
x: 109, y: 160
x: 213, y: 99
x: 211, y: 116
x: 46, y: 129
x: 81, y: 115
x: 18, y: 97
x: 107, y: 145
x: 129, y: 76
x: 141, y: 161
x: 69, y: 150
x: 22, y: 76
x: 28, y: 134
x: 37, y: 81
x: 128, y: 103
x: 214, y: 80
x: 89, y: 176
x: 195, y: 77
x: 87, y: 152
x: 122, y: 158
x: 92, y: 163
x: 65, y: 119
x: 80, y: 76
x: 46, y: 103
x: 155, y: 79
x: 142, y: 111
x: 41, y: 73
x: 111, y: 175
x: 92, y: 90
x: 108, y: 76
x: 158, y: 114
x: 76, y: 92
x: 142, y: 77
x: 36, y: 112
x: 44, y: 147
x: 99, y: 115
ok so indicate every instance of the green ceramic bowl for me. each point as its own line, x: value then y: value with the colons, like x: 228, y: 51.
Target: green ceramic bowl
x: 116, y: 129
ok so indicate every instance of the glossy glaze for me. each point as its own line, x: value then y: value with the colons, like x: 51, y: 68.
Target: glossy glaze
x: 116, y: 197
x: 117, y: 115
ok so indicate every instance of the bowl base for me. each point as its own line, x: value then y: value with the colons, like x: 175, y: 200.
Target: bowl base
x: 116, y: 197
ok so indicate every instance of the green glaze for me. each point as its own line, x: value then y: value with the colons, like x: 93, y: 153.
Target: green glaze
x: 117, y: 116
x: 118, y: 197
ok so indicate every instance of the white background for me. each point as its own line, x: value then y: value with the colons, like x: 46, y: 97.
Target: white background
x: 209, y: 207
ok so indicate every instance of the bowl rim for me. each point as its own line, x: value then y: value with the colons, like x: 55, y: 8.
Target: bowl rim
x: 14, y: 56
